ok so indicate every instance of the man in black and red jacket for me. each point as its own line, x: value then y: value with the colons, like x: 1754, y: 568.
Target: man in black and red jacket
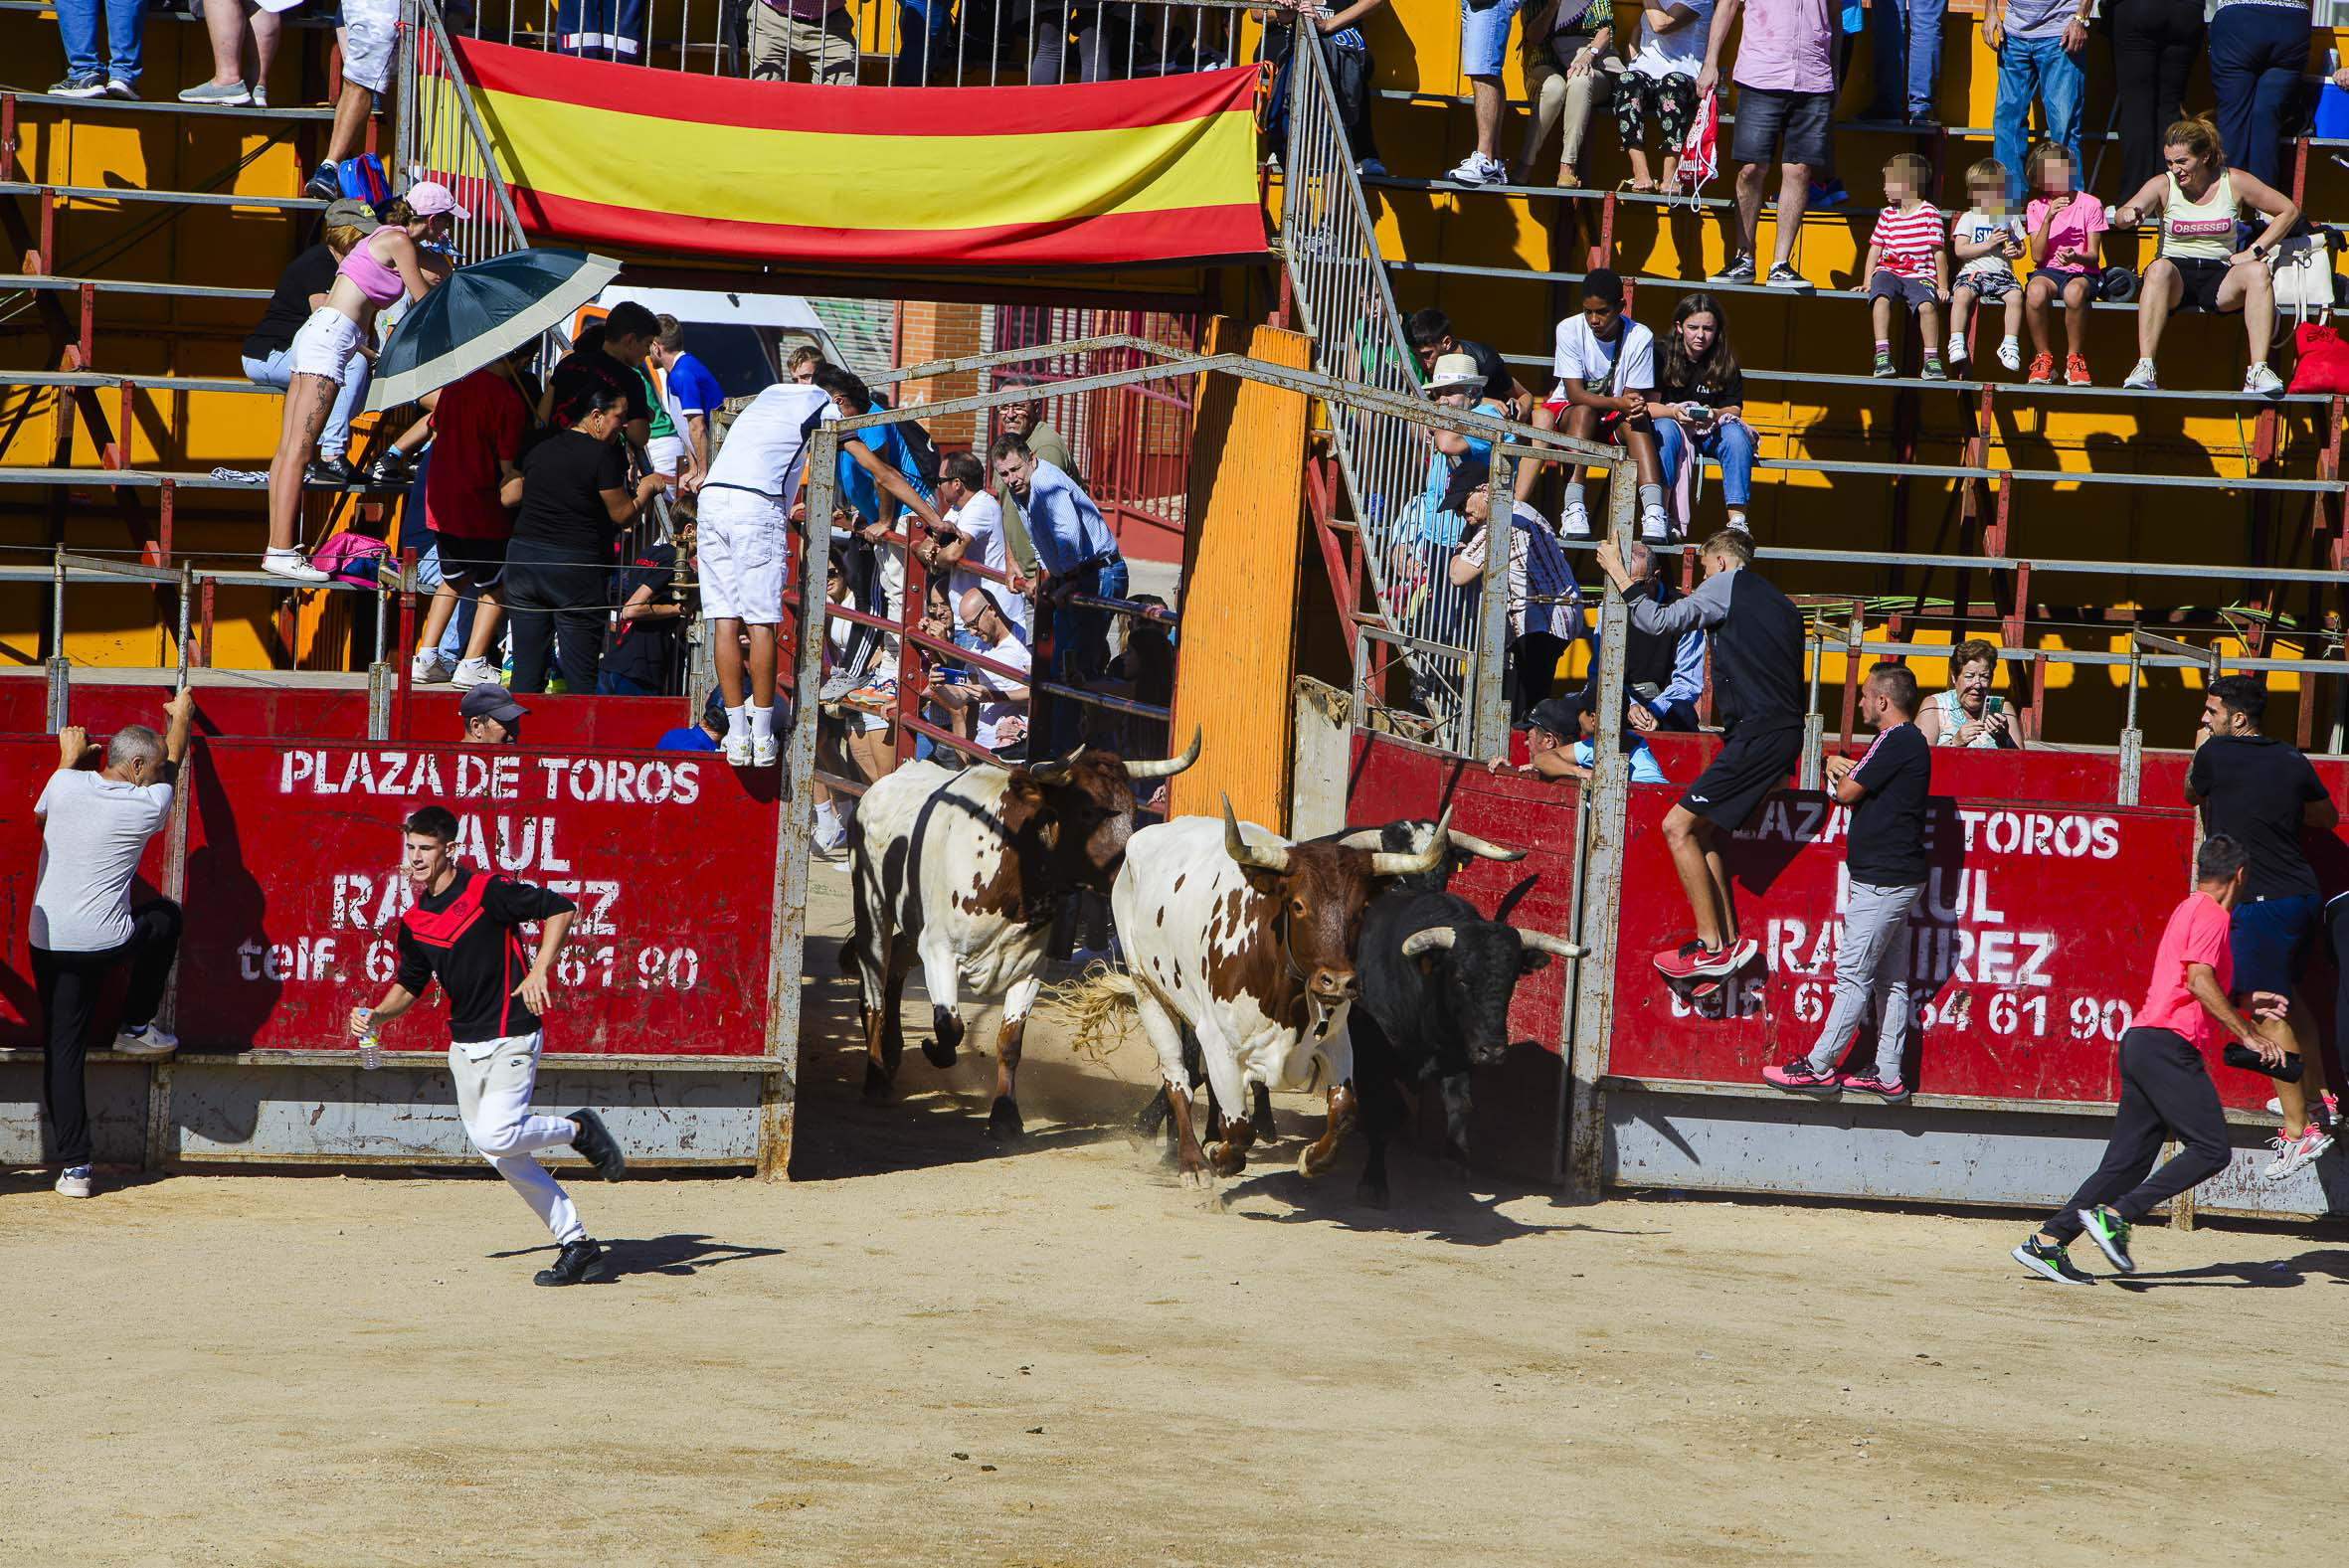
x: 464, y: 931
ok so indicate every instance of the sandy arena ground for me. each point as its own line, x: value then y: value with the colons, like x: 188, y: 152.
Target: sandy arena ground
x: 935, y: 1354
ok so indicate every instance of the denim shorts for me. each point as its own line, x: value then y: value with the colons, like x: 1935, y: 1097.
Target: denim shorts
x: 1484, y: 35
x: 1915, y: 293
x: 2270, y: 941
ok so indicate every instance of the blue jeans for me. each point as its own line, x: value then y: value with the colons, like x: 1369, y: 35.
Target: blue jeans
x: 2039, y: 67
x: 1907, y: 51
x: 1730, y: 442
x: 126, y: 22
x: 1483, y: 36
x: 2256, y: 55
x: 336, y: 440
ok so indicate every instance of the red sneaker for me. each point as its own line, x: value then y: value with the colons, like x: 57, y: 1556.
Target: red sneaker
x: 2076, y: 371
x: 1690, y: 960
x: 2043, y: 370
x: 1892, y: 1092
x: 1797, y: 1077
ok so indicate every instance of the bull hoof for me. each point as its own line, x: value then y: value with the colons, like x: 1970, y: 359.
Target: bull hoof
x: 948, y: 1038
x: 1309, y: 1167
x: 877, y: 1082
x: 1227, y: 1159
x: 1003, y: 1121
x: 1370, y: 1194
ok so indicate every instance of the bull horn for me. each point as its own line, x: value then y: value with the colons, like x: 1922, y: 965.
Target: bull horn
x: 1426, y: 940
x: 1169, y: 767
x: 1049, y: 773
x: 1385, y: 863
x: 1556, y: 946
x: 1247, y: 854
x: 1484, y: 847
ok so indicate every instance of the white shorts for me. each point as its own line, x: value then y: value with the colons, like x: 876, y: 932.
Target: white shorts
x: 666, y: 454
x: 740, y: 539
x: 324, y: 345
x: 369, y: 29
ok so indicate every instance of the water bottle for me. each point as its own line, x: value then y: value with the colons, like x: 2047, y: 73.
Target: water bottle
x: 370, y: 1047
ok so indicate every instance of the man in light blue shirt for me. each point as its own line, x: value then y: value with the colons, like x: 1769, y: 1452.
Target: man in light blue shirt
x: 1560, y: 744
x: 1075, y: 554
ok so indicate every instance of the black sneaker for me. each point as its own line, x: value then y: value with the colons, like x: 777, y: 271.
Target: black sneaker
x: 390, y: 469
x: 2111, y: 1233
x: 581, y: 1262
x: 325, y: 185
x: 81, y: 85
x: 2051, y: 1263
x: 1739, y: 271
x: 1784, y: 276
x: 596, y: 1144
x: 328, y: 474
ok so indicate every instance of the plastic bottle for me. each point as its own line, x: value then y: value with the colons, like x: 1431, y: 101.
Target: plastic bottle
x: 370, y: 1047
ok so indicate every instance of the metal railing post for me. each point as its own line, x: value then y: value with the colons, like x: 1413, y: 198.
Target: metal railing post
x: 1601, y: 874
x: 2132, y: 738
x: 61, y: 676
x: 1814, y: 727
x: 1488, y: 729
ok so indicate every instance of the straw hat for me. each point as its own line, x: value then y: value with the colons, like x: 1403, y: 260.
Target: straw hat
x: 1452, y: 373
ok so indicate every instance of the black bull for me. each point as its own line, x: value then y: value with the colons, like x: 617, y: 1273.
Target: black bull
x: 1437, y: 978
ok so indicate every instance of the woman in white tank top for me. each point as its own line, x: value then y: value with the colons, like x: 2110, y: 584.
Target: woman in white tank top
x: 2199, y: 199
x: 1967, y: 714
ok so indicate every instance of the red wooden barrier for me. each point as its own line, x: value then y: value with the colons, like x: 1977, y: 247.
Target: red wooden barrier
x: 294, y: 888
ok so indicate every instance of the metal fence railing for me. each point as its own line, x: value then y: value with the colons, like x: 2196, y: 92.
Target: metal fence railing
x: 908, y: 43
x: 438, y: 134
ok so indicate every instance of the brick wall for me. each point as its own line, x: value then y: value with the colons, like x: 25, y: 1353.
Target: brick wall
x: 928, y: 330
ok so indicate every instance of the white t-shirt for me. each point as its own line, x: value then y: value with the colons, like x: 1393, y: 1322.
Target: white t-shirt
x: 992, y: 713
x: 1605, y: 368
x: 762, y: 451
x: 1679, y: 53
x: 1973, y: 226
x: 980, y: 520
x: 96, y: 831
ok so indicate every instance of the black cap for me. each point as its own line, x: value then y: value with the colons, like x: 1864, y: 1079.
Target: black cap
x: 713, y: 712
x: 1558, y: 714
x: 490, y: 701
x: 1472, y: 474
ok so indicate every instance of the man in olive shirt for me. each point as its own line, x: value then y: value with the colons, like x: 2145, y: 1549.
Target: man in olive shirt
x: 1026, y: 420
x: 2262, y: 792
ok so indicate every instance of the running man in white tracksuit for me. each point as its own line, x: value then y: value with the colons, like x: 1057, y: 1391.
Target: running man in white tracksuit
x: 463, y: 932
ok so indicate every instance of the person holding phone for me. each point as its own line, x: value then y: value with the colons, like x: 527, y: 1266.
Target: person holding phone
x: 1968, y: 714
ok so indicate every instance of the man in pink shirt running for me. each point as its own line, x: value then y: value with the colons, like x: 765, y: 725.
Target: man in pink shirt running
x: 2165, y: 1086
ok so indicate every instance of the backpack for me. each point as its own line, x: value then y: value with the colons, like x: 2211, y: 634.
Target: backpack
x: 362, y: 178
x: 922, y: 451
x: 2321, y: 359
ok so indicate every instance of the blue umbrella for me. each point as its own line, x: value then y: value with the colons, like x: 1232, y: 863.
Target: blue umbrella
x: 482, y: 313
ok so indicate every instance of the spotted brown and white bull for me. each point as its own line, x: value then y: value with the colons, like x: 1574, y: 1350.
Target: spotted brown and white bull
x: 964, y: 870
x: 1247, y: 941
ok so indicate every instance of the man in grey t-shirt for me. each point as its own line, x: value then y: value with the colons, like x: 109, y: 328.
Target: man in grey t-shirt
x: 95, y: 825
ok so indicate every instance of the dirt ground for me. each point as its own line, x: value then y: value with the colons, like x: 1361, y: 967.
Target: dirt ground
x: 935, y: 1352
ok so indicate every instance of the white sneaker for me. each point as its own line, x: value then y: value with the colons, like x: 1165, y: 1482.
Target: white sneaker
x: 1655, y: 527
x: 737, y: 750
x: 289, y: 563
x: 763, y: 752
x: 153, y: 1040
x: 471, y: 672
x: 1955, y: 353
x: 1477, y: 169
x: 2010, y: 354
x: 2141, y: 378
x: 73, y: 1181
x: 1576, y: 522
x: 429, y: 668
x: 2293, y: 1153
x: 2260, y: 382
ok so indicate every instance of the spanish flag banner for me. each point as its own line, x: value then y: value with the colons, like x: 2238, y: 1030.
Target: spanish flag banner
x: 1087, y: 174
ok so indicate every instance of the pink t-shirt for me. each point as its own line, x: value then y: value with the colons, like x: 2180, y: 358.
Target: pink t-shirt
x: 2072, y: 234
x: 2196, y: 934
x: 1787, y: 46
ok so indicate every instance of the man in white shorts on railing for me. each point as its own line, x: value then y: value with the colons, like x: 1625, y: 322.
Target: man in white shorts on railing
x: 370, y: 30
x: 744, y: 538
x: 464, y: 929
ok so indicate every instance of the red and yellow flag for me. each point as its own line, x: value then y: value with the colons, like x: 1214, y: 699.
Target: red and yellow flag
x: 1111, y: 172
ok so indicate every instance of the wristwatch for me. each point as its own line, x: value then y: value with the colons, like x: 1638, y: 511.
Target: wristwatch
x: 2259, y: 253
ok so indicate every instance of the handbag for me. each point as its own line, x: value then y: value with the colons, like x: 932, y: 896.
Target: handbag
x: 2305, y: 283
x: 2320, y: 359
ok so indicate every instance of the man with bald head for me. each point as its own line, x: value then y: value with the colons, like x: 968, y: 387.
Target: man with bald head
x: 1001, y: 701
x: 95, y: 815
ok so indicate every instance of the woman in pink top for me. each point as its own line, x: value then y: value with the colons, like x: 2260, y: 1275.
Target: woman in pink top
x: 2061, y: 227
x: 2165, y: 1085
x: 379, y: 268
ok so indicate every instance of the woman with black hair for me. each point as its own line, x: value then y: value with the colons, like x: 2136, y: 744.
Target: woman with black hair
x: 574, y: 496
x: 1700, y: 402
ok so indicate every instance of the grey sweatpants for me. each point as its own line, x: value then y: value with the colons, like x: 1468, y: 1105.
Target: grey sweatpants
x: 1871, y: 957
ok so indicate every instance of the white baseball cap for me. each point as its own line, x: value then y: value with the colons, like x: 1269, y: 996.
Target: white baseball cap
x: 429, y: 198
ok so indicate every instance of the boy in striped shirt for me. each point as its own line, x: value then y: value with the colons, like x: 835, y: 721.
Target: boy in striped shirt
x: 1908, y: 261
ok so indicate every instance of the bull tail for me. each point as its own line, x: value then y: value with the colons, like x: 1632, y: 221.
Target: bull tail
x: 1101, y: 1004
